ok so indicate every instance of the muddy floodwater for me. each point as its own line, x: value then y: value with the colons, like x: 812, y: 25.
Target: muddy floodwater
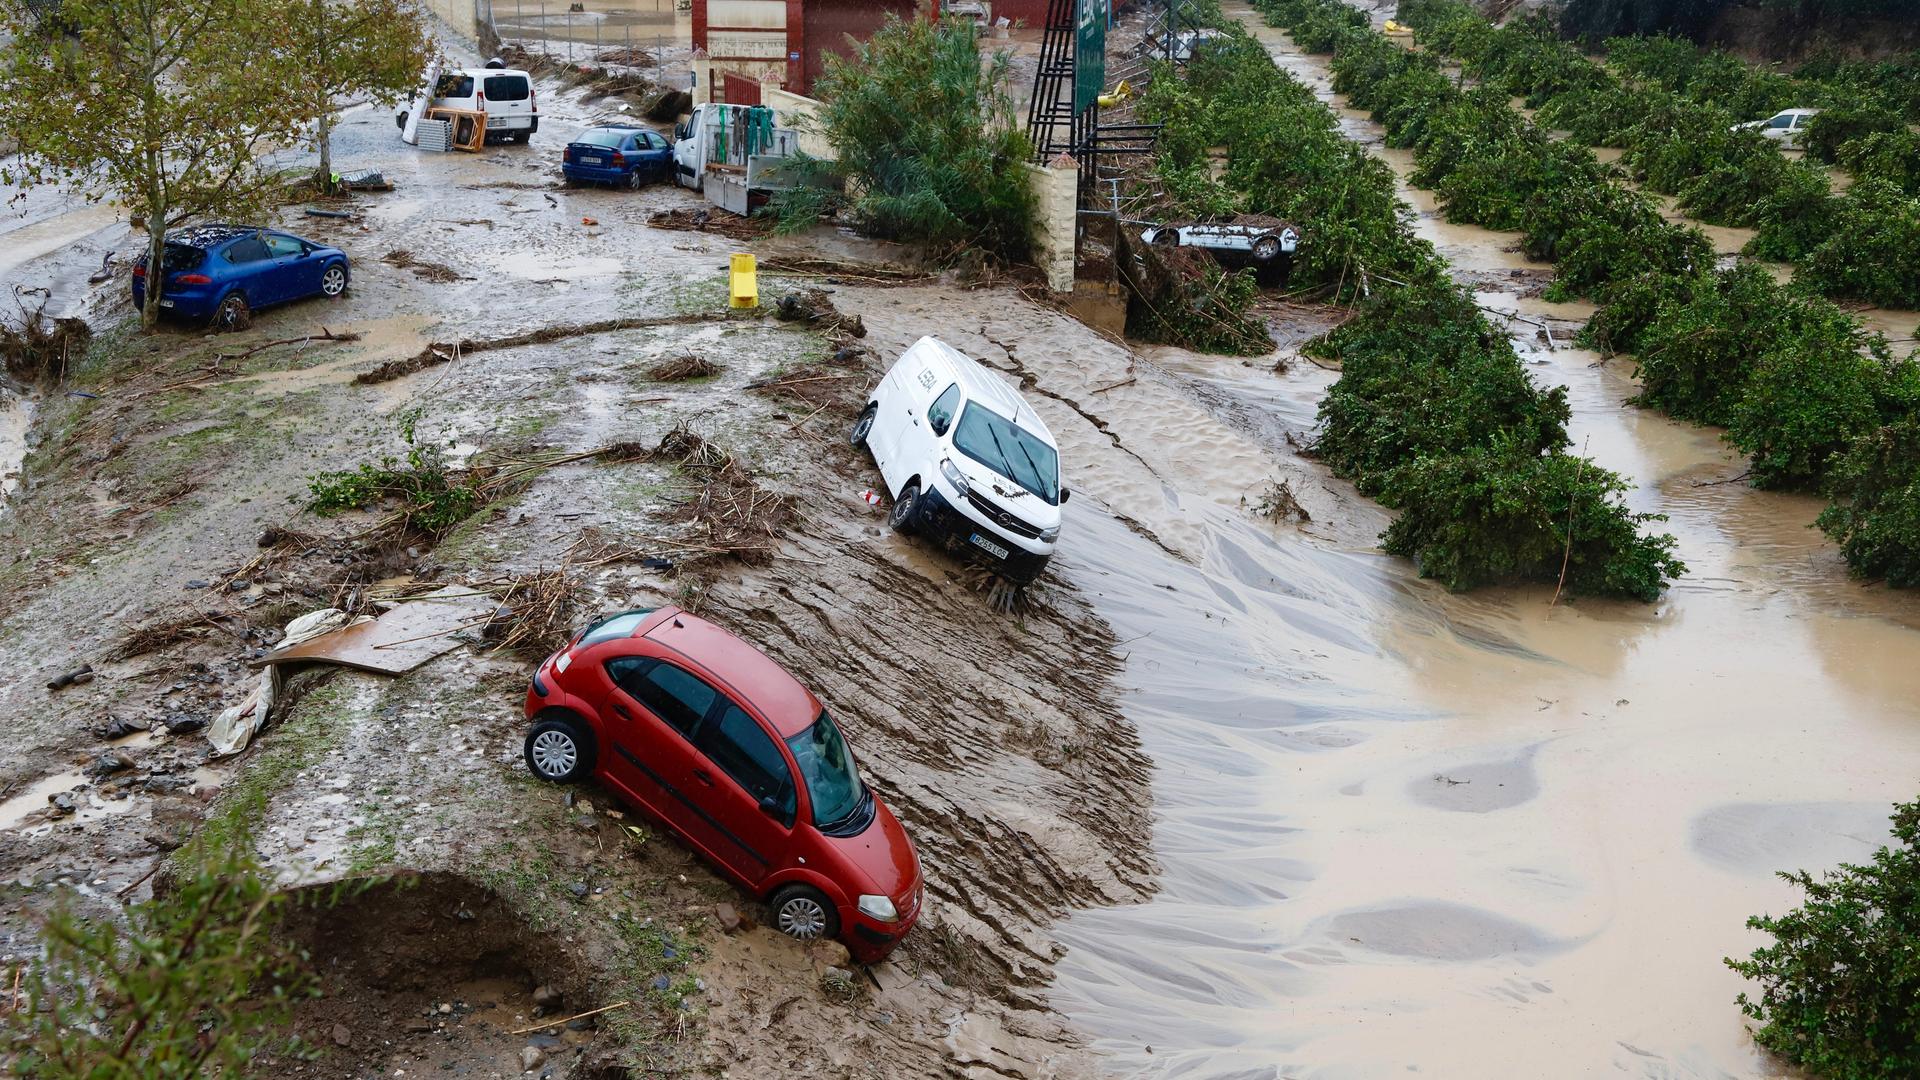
x: 1482, y: 836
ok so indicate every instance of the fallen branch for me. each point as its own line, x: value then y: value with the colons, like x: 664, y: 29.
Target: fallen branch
x: 570, y: 1019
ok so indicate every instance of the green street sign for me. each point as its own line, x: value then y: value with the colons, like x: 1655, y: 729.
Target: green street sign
x: 1089, y: 53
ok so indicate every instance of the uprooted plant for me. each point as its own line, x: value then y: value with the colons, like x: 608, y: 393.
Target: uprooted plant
x: 430, y: 496
x: 39, y: 349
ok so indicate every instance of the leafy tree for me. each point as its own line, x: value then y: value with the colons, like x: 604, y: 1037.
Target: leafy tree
x: 1422, y: 374
x: 1502, y: 514
x: 1873, y: 251
x: 377, y: 49
x: 192, y: 983
x: 1839, y: 988
x: 1875, y: 516
x: 167, y: 105
x: 1810, y: 394
x: 926, y: 132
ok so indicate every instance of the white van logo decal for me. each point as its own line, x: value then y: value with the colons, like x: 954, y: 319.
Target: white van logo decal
x: 926, y: 378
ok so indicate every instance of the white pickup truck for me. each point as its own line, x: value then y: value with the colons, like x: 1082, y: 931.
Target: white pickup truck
x: 734, y: 155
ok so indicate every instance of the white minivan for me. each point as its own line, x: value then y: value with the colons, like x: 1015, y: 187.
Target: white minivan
x: 968, y: 462
x: 504, y: 94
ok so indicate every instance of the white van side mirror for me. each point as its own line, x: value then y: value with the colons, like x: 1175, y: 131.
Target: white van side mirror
x: 1064, y: 496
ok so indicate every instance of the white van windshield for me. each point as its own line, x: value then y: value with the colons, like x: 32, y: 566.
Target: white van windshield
x: 1003, y: 446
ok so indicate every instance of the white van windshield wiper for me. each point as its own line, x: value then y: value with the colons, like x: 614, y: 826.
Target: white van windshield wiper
x: 1039, y: 477
x: 1006, y: 463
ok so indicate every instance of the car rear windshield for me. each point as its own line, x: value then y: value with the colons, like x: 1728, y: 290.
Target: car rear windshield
x: 1006, y: 448
x: 827, y: 769
x: 617, y: 626
x: 603, y: 137
x: 177, y: 257
x: 506, y: 88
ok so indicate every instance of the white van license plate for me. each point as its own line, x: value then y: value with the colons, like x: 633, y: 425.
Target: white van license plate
x: 988, y: 546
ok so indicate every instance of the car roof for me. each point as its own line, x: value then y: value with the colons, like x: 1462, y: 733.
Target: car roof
x: 210, y: 236
x: 767, y: 686
x: 982, y: 385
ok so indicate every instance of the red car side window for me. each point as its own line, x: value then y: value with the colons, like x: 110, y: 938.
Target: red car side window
x: 678, y: 697
x: 736, y: 743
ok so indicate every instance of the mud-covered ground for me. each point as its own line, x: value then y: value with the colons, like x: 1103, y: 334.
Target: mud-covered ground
x: 140, y: 544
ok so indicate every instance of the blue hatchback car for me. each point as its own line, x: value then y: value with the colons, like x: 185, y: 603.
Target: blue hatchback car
x: 630, y: 156
x: 223, y: 273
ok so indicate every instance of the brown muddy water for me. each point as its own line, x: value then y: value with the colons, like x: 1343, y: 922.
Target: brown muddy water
x: 1482, y: 836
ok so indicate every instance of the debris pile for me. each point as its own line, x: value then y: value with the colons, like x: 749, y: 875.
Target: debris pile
x: 731, y: 226
x: 39, y: 349
x: 737, y: 517
x: 683, y: 367
x: 1181, y: 297
x: 537, y: 613
x: 438, y: 273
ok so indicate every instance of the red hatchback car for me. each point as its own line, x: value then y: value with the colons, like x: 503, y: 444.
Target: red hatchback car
x: 708, y: 735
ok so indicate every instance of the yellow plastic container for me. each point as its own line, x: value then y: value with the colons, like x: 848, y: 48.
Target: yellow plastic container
x: 743, y: 283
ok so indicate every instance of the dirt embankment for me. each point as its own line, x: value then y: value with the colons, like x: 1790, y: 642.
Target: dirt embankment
x: 159, y: 537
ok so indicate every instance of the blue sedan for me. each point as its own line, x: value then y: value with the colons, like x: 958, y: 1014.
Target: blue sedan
x: 628, y: 156
x: 223, y: 273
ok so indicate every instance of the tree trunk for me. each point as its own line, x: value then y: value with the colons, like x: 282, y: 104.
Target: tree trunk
x: 156, y: 246
x: 326, y: 152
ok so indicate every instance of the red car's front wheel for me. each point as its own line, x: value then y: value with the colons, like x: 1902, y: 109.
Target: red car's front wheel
x: 560, y: 750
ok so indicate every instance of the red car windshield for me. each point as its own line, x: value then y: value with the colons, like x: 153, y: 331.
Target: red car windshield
x: 826, y: 767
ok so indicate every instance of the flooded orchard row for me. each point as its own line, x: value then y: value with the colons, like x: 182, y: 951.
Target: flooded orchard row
x: 1478, y: 835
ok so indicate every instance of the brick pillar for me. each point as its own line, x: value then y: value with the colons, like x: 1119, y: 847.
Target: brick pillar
x: 1056, y: 206
x: 797, y: 46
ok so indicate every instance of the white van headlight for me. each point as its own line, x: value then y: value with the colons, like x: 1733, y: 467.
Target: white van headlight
x: 878, y: 907
x: 1048, y: 536
x: 953, y: 474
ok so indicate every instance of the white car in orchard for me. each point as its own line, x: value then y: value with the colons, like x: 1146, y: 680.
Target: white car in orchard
x: 1264, y: 240
x: 1784, y: 127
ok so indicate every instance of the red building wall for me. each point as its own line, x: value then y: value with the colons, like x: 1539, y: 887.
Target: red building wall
x: 1033, y: 13
x: 818, y: 27
x: 826, y: 25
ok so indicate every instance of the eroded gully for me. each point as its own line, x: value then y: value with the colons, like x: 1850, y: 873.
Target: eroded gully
x: 1468, y: 836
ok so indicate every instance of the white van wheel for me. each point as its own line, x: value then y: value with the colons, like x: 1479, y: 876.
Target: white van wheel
x: 905, y: 514
x: 863, y: 426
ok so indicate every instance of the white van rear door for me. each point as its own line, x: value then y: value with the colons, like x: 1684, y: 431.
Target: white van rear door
x: 509, y: 99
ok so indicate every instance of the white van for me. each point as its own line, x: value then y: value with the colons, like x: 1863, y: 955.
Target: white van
x: 505, y: 94
x: 968, y: 462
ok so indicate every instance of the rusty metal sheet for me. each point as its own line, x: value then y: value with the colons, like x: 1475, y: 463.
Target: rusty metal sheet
x: 398, y: 641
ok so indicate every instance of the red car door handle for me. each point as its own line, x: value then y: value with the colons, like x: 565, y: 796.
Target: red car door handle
x: 703, y: 776
x: 622, y: 710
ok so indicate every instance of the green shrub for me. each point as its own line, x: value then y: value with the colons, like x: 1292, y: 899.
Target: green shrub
x: 1190, y: 191
x: 193, y: 982
x: 1697, y: 355
x: 1795, y: 218
x: 1873, y: 251
x: 1207, y: 314
x: 1875, y: 516
x: 1627, y: 309
x: 1422, y: 373
x: 1502, y: 514
x: 925, y: 131
x: 1600, y: 117
x: 1839, y: 988
x: 1889, y: 156
x: 1809, y: 395
x: 1842, y: 123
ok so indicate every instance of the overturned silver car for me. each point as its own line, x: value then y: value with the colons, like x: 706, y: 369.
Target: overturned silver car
x: 1260, y: 238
